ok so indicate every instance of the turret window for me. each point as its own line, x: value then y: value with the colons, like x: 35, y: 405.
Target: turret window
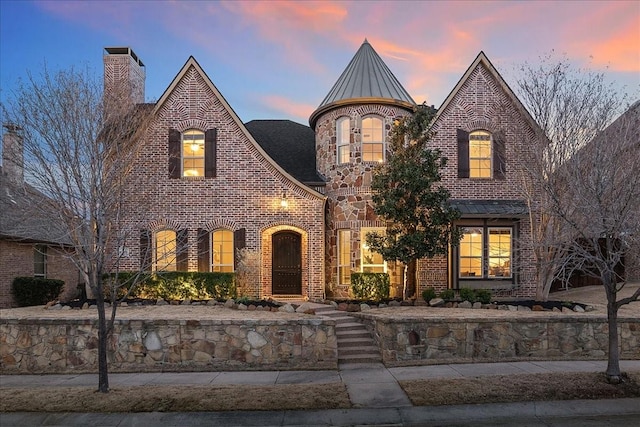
x: 343, y: 137
x: 372, y: 140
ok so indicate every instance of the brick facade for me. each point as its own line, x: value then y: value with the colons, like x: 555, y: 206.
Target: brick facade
x: 246, y: 192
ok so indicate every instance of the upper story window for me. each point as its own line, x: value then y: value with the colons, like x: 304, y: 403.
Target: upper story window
x: 40, y: 261
x: 372, y: 139
x: 165, y: 245
x: 480, y: 147
x: 343, y: 137
x: 222, y: 251
x: 481, y: 154
x: 372, y: 262
x: 193, y: 153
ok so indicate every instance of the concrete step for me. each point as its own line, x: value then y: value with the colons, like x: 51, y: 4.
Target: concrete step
x: 358, y: 333
x: 350, y: 326
x: 359, y: 358
x: 356, y: 342
x: 369, y: 350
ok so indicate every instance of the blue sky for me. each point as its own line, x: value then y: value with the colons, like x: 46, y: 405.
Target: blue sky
x: 278, y: 59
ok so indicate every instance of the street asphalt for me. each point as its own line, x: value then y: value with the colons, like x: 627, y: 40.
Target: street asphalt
x: 374, y: 391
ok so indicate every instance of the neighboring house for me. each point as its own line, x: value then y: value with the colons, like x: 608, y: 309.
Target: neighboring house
x: 30, y: 242
x: 299, y: 197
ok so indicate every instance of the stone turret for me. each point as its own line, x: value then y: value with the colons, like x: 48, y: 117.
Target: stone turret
x: 352, y: 127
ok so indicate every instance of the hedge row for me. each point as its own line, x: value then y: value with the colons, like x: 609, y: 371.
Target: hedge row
x: 29, y: 291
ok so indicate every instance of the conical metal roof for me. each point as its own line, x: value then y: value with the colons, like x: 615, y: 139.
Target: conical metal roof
x: 367, y: 79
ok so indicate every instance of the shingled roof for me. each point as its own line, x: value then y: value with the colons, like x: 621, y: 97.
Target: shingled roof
x: 493, y: 208
x: 367, y: 79
x: 291, y: 145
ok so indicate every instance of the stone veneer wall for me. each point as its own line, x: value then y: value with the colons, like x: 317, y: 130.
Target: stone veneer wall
x: 492, y: 340
x: 70, y: 345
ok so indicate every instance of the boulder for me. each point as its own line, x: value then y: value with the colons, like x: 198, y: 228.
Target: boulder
x: 436, y: 302
x: 465, y: 304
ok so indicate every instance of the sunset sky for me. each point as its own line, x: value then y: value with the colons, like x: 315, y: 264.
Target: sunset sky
x: 278, y: 59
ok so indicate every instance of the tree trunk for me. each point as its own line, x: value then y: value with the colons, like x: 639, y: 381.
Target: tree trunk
x: 410, y: 278
x: 103, y: 374
x: 613, y: 360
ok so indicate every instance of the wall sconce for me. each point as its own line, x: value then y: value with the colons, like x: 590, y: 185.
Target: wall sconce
x: 284, y: 203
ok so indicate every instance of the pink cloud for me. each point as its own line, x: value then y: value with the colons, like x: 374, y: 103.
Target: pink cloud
x: 288, y: 107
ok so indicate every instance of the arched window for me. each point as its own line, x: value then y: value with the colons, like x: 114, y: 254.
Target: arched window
x: 165, y: 251
x: 222, y: 251
x: 343, y: 137
x: 372, y: 139
x: 193, y: 153
x: 480, y: 154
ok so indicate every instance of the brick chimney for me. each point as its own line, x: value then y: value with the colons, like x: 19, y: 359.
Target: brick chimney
x: 124, y: 71
x: 12, y: 153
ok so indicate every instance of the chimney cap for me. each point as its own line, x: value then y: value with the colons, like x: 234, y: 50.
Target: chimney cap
x: 124, y: 50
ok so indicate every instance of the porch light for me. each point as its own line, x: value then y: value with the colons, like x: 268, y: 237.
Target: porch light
x: 284, y: 203
x: 195, y: 147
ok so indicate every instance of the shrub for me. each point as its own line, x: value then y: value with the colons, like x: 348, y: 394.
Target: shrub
x: 176, y: 285
x: 35, y: 290
x: 468, y: 294
x: 370, y: 286
x: 447, y: 294
x: 483, y: 295
x: 428, y: 294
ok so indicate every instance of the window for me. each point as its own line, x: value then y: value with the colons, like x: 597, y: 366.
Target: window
x: 193, y: 153
x: 372, y: 262
x: 372, y: 140
x: 480, y: 154
x: 40, y: 261
x: 222, y: 251
x: 165, y: 250
x: 499, y: 252
x: 494, y: 252
x: 471, y: 252
x: 343, y: 137
x: 344, y: 257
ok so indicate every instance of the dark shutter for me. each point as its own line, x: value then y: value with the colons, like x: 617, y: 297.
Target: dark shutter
x: 182, y: 250
x: 210, y: 153
x: 203, y: 250
x: 499, y: 163
x: 174, y: 153
x: 145, y: 250
x: 463, y: 154
x: 239, y: 242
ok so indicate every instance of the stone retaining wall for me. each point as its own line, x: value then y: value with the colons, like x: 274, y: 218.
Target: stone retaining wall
x: 70, y: 345
x: 412, y: 341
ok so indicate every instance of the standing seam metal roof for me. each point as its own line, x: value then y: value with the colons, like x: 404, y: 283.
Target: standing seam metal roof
x: 366, y: 76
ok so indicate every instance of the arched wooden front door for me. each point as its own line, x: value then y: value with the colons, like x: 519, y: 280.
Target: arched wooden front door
x: 286, y: 263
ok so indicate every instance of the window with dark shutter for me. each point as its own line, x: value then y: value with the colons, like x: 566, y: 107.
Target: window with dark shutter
x: 182, y: 250
x: 210, y: 153
x: 174, y: 153
x: 463, y: 154
x: 239, y: 242
x: 499, y: 161
x: 203, y: 250
x: 145, y: 250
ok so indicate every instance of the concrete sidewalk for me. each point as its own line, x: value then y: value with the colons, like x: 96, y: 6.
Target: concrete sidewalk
x: 373, y: 389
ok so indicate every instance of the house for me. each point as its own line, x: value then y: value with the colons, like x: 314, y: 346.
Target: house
x: 298, y: 198
x: 31, y: 244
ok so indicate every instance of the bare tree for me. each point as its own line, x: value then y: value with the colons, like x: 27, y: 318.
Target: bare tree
x: 585, y: 185
x: 78, y: 146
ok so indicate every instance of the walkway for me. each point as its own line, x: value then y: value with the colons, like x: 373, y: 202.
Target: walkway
x: 373, y: 389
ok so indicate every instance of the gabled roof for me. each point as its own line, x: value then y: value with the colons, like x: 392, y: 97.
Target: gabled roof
x: 27, y: 215
x: 367, y: 79
x: 482, y: 59
x: 291, y: 145
x: 191, y: 62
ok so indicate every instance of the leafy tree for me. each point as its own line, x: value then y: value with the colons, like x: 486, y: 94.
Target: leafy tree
x: 586, y: 180
x: 78, y: 146
x: 406, y: 192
